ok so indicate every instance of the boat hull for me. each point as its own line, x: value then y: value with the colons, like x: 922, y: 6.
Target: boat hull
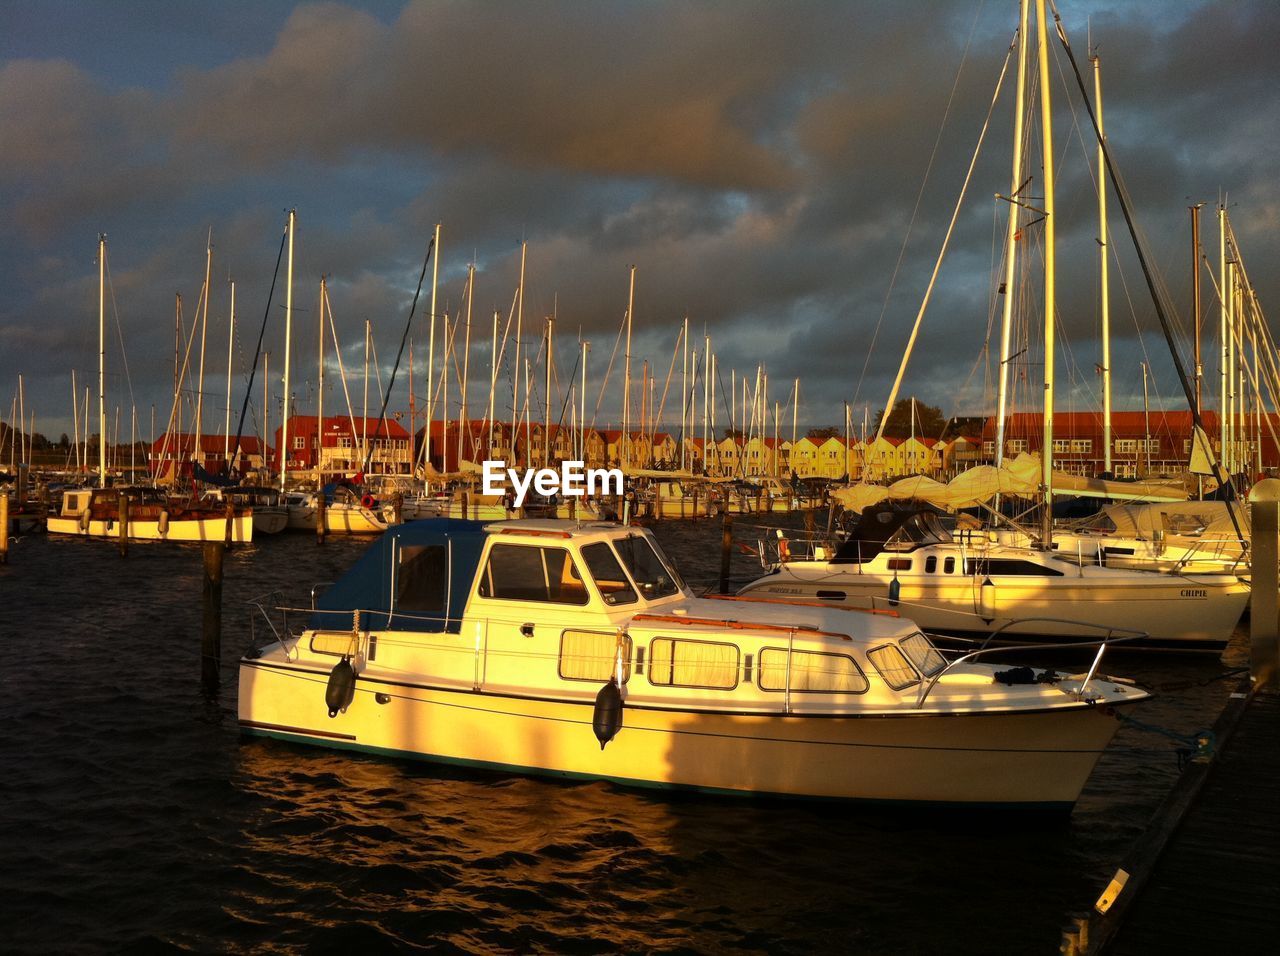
x: 142, y: 529
x: 1179, y: 612
x: 1011, y: 759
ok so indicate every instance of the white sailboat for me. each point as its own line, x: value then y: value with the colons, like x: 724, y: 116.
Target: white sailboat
x: 987, y: 587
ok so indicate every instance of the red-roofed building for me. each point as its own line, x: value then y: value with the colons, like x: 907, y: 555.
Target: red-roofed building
x: 213, y: 457
x: 341, y: 443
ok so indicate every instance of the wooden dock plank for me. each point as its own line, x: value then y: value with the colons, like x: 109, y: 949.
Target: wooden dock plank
x: 1217, y: 882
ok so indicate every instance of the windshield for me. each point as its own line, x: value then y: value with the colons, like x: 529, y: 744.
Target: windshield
x: 653, y: 576
x: 608, y: 574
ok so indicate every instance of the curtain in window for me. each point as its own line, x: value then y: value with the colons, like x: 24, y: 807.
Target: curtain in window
x: 893, y: 667
x: 693, y: 663
x: 812, y: 672
x: 592, y: 655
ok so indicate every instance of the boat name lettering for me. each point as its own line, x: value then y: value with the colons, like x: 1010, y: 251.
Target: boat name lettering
x: 572, y: 478
x: 1195, y: 592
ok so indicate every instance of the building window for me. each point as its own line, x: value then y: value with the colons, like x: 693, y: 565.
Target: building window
x: 1017, y: 446
x: 1082, y: 445
x: 989, y: 447
x: 1126, y: 445
x: 299, y: 442
x: 1061, y: 446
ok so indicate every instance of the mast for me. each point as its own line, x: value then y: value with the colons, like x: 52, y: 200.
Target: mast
x: 515, y: 385
x: 1050, y: 272
x: 231, y: 340
x: 431, y: 349
x: 1011, y: 241
x: 197, y: 451
x: 1103, y: 241
x: 546, y: 425
x: 707, y: 433
x: 466, y: 362
x: 364, y: 414
x: 102, y: 360
x: 324, y: 301
x: 288, y: 339
x: 1225, y: 333
x: 684, y: 395
x: 582, y: 415
x: 266, y: 413
x: 1146, y: 420
x: 493, y: 380
x: 1195, y: 299
x: 625, y: 441
x: 75, y: 420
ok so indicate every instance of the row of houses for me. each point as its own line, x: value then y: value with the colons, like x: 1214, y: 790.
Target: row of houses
x: 1142, y: 444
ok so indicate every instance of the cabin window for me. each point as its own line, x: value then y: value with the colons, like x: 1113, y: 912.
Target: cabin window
x: 523, y: 573
x: 931, y: 564
x: 893, y: 666
x: 593, y: 656
x: 680, y: 663
x: 611, y: 580
x: 812, y: 672
x: 652, y: 575
x: 927, y: 658
x: 899, y: 564
x: 1009, y: 566
x: 949, y: 566
x: 422, y: 581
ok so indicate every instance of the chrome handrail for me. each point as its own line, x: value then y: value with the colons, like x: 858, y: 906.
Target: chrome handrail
x: 1129, y: 635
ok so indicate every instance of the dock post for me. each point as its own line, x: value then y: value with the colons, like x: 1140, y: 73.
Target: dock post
x: 726, y: 550
x: 123, y: 522
x: 4, y: 527
x: 21, y: 489
x: 211, y: 635
x: 320, y: 516
x: 1264, y: 606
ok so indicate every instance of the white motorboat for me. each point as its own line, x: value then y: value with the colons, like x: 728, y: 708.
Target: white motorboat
x: 575, y: 650
x: 905, y: 559
x: 345, y: 512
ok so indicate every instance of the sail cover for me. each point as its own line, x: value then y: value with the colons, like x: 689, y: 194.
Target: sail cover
x: 1018, y: 478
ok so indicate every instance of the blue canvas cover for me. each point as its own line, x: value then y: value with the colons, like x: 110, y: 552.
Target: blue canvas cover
x: 416, y: 577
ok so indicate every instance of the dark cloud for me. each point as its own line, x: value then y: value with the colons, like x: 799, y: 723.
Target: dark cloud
x: 760, y: 164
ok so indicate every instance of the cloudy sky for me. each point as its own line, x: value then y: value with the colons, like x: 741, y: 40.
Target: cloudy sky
x: 781, y: 173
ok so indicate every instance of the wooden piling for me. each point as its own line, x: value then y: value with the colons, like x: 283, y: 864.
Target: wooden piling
x: 320, y: 516
x: 21, y: 490
x: 726, y: 551
x: 211, y: 634
x: 229, y: 525
x: 4, y: 527
x: 1264, y: 603
x: 122, y: 520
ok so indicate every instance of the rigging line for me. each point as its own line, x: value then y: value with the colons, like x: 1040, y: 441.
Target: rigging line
x: 253, y: 369
x: 937, y: 143
x: 946, y: 241
x: 431, y: 245
x: 124, y: 358
x: 605, y: 383
x: 1122, y: 193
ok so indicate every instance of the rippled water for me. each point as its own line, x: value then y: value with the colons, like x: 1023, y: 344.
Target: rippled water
x: 136, y: 817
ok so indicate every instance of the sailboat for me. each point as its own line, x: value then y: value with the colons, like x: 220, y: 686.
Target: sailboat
x: 906, y: 560
x: 95, y: 512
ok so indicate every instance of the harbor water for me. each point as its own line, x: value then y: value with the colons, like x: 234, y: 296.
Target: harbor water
x: 136, y: 817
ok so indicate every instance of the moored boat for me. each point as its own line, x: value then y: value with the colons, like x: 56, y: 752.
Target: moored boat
x: 575, y: 650
x: 904, y: 558
x: 95, y: 513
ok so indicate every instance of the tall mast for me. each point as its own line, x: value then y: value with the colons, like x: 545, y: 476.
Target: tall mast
x: 1103, y: 241
x: 75, y: 420
x: 546, y: 425
x: 1146, y: 420
x: 493, y: 380
x: 102, y: 360
x: 448, y: 332
x: 466, y: 361
x: 1011, y: 242
x: 684, y: 395
x: 431, y: 348
x: 283, y: 451
x: 266, y: 412
x: 1195, y: 299
x: 625, y: 441
x: 515, y: 385
x: 1225, y: 334
x: 364, y: 414
x: 1050, y: 271
x: 582, y: 416
x: 231, y: 341
x: 706, y: 389
x: 324, y: 303
x: 197, y: 451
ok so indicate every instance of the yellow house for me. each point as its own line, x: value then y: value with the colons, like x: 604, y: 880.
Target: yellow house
x: 597, y: 450
x: 917, y: 456
x: 665, y: 450
x: 757, y: 457
x: 804, y: 458
x: 832, y: 458
x: 728, y: 455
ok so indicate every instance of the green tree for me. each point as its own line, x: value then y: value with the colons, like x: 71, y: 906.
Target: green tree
x: 929, y: 423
